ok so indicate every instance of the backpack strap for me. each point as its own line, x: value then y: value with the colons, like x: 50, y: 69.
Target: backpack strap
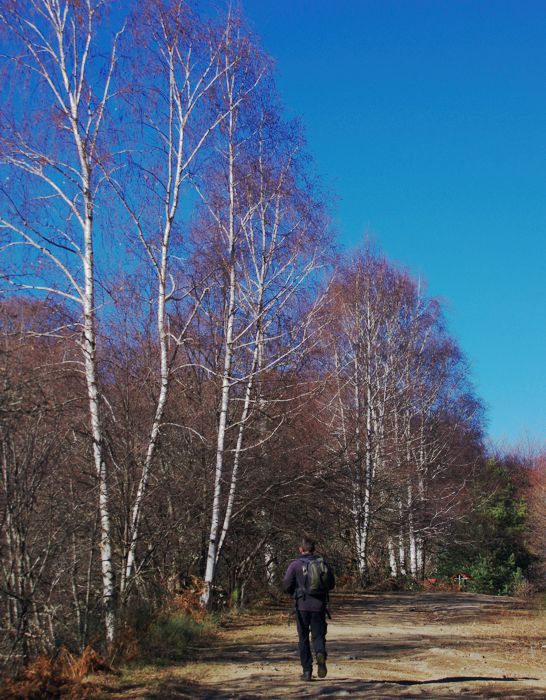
x: 302, y: 589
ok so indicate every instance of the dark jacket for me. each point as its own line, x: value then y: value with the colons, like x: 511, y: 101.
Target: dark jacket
x: 293, y: 583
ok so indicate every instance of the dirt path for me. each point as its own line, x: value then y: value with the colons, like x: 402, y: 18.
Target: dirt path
x: 420, y: 645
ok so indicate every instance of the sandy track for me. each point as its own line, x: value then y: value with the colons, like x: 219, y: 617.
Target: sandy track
x: 415, y: 645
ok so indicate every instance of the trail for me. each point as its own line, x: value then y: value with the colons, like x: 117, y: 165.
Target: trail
x: 414, y: 645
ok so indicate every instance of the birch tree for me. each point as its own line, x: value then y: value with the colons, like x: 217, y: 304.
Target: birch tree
x: 269, y: 243
x: 282, y: 245
x: 236, y: 84
x: 397, y: 405
x: 363, y: 354
x: 188, y: 58
x: 436, y: 409
x: 50, y: 147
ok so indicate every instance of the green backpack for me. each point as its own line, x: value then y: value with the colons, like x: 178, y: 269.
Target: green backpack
x: 316, y: 577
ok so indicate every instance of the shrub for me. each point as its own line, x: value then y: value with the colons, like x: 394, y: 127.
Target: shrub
x: 150, y: 633
x: 57, y: 676
x: 171, y: 634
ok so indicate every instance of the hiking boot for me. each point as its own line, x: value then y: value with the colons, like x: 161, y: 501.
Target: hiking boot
x: 306, y: 675
x: 321, y: 665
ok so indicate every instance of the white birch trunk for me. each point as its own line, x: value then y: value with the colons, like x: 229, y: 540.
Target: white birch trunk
x: 411, y: 536
x: 154, y: 434
x: 89, y: 350
x: 269, y: 561
x: 393, y: 569
x: 89, y: 340
x: 401, y: 542
x: 369, y: 451
x: 182, y: 99
x: 366, y: 515
x: 172, y: 197
x: 359, y: 488
x: 226, y: 377
x: 237, y: 453
x: 419, y: 558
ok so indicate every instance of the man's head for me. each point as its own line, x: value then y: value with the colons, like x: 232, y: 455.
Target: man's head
x: 307, y: 545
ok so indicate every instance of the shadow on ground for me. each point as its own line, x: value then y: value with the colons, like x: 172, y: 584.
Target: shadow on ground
x: 373, y: 649
x: 260, y: 668
x: 440, y: 606
x: 346, y: 687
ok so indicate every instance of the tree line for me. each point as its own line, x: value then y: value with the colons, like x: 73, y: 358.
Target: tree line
x: 191, y: 372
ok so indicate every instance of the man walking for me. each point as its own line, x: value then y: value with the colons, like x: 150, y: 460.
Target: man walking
x: 309, y: 578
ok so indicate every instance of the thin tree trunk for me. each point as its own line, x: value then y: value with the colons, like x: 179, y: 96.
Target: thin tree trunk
x: 411, y: 535
x: 238, y: 446
x: 393, y: 569
x: 89, y: 350
x: 226, y: 377
x: 401, y: 541
x: 158, y: 417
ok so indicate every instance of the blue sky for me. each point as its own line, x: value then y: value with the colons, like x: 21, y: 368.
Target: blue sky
x: 427, y: 121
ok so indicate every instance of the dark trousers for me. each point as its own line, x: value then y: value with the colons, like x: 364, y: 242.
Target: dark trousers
x: 316, y: 623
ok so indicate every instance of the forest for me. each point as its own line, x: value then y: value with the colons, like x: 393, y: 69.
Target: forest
x: 193, y: 372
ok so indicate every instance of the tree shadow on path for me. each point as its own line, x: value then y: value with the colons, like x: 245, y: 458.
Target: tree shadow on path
x: 417, y: 632
x: 268, y: 687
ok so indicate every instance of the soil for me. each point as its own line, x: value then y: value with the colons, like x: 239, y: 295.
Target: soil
x: 396, y: 645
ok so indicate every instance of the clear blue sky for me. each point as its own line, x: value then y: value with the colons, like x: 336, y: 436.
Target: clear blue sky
x: 428, y: 121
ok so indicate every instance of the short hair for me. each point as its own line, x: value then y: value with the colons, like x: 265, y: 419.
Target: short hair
x: 307, y: 544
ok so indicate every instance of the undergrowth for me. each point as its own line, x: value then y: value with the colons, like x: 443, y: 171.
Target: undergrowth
x: 58, y: 676
x: 144, y: 635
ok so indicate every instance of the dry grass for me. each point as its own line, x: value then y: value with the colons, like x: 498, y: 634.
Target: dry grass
x: 165, y: 635
x: 188, y: 600
x: 60, y: 676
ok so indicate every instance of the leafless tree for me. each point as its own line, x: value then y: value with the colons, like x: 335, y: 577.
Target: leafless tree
x: 188, y: 60
x: 50, y: 208
x: 398, y: 404
x: 270, y: 242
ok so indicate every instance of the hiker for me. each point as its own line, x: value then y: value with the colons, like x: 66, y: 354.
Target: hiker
x: 309, y: 578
